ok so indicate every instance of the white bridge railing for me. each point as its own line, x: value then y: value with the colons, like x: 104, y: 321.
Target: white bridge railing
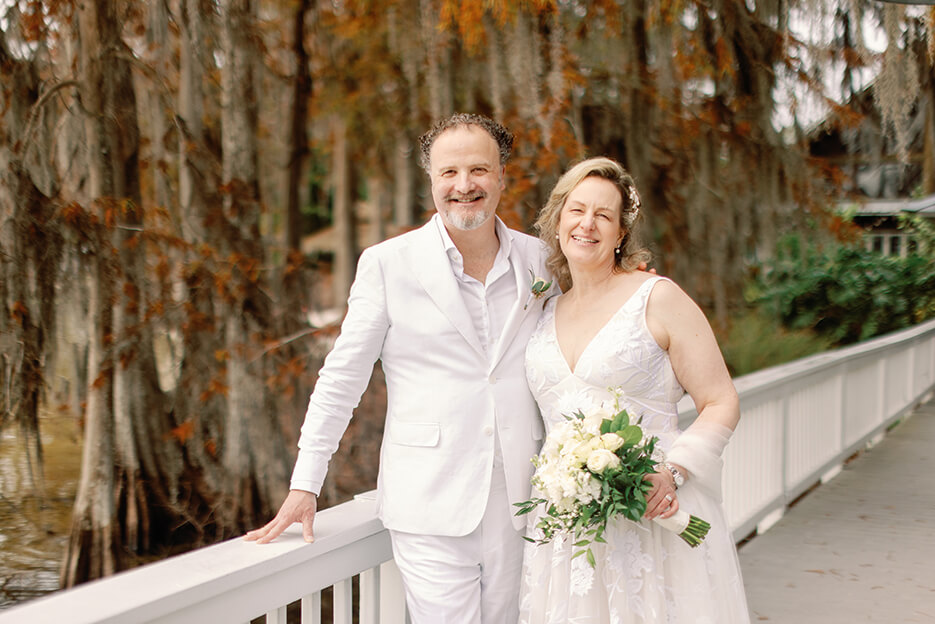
x: 800, y: 422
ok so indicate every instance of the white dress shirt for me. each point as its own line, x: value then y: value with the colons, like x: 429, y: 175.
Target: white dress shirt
x: 487, y: 303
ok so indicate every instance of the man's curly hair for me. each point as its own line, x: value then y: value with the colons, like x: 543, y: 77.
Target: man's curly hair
x: 501, y: 135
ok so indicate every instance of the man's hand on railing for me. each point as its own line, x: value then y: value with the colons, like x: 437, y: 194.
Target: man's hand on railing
x: 299, y: 506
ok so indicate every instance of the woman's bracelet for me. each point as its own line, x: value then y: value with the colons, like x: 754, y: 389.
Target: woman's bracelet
x: 676, y: 474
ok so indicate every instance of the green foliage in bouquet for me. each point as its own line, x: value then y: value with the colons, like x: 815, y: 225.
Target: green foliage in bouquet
x: 584, y: 487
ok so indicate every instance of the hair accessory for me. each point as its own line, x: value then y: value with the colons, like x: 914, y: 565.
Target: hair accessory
x: 635, y: 202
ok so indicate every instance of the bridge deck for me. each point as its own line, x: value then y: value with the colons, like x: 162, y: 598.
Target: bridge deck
x: 859, y: 548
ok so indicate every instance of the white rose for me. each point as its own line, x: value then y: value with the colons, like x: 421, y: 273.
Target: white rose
x: 594, y: 418
x: 611, y: 441
x: 584, y: 449
x: 602, y: 459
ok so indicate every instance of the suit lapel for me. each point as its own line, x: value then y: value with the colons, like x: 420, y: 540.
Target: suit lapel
x: 520, y: 310
x: 432, y: 268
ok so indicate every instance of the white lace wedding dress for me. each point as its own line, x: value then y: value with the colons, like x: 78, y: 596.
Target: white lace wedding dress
x: 644, y: 573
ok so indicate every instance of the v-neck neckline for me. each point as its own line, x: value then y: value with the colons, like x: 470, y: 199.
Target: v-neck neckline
x: 573, y: 370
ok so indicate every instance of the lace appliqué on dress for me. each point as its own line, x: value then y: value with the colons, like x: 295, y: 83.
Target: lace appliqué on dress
x: 643, y: 574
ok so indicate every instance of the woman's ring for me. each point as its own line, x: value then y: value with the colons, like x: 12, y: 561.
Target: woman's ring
x: 669, y: 497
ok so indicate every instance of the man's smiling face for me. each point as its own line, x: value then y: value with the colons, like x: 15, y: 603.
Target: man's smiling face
x: 466, y: 177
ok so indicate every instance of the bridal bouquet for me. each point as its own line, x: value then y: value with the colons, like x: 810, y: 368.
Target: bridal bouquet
x: 591, y: 469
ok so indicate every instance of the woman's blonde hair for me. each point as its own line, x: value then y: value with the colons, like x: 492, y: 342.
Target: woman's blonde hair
x: 629, y: 253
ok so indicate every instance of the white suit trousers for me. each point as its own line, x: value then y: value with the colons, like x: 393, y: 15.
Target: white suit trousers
x: 472, y: 579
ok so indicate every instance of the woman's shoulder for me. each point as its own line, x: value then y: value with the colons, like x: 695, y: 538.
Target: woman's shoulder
x: 632, y: 282
x: 663, y: 287
x: 669, y: 304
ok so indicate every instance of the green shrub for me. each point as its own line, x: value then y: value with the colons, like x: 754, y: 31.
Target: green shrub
x: 844, y: 292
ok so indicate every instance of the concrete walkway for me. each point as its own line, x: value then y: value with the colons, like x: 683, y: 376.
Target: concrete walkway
x: 860, y: 548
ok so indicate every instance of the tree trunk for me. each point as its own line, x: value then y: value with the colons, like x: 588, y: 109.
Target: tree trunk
x: 927, y: 101
x: 255, y: 473
x: 403, y: 180
x: 93, y: 549
x: 158, y: 48
x: 191, y: 213
x: 345, y: 253
x: 298, y: 137
x: 30, y: 250
x: 93, y: 545
x: 437, y: 76
x: 126, y: 432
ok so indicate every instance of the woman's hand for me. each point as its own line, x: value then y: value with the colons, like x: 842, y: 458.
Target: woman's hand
x: 662, y: 500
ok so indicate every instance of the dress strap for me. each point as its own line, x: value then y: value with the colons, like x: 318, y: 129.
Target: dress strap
x: 642, y: 295
x: 646, y: 288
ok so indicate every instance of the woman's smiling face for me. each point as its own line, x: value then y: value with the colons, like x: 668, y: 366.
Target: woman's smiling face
x: 589, y: 226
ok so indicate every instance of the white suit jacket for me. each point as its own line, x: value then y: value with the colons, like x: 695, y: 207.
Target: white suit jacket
x: 444, y: 396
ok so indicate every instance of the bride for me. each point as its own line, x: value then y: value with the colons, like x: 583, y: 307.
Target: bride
x: 619, y: 328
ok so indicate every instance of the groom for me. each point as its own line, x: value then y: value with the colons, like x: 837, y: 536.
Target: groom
x: 445, y: 308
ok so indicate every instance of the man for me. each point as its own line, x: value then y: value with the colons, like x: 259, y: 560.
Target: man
x: 446, y: 308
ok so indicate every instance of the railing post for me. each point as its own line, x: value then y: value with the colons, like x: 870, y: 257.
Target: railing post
x: 881, y: 390
x: 343, y: 611
x: 392, y: 595
x: 370, y: 596
x: 311, y: 608
x: 277, y: 616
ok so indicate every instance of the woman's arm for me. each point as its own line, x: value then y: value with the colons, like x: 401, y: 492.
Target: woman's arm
x: 680, y: 327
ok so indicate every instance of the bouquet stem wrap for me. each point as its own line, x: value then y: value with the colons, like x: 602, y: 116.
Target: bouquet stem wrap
x: 691, y: 529
x: 698, y: 450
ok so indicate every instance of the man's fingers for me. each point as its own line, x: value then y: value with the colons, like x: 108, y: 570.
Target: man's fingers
x: 299, y: 506
x: 256, y: 534
x: 272, y: 531
x: 308, y: 521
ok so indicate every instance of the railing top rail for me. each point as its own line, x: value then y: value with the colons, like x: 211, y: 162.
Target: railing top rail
x: 161, y: 588
x: 768, y: 377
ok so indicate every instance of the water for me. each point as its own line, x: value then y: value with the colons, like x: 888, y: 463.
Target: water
x: 33, y: 528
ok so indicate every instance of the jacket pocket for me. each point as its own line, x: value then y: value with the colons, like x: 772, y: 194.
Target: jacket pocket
x: 415, y: 434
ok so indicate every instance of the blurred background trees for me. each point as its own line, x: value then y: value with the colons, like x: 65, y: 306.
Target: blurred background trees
x: 187, y: 184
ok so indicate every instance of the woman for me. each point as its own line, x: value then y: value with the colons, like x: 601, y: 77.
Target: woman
x: 617, y: 327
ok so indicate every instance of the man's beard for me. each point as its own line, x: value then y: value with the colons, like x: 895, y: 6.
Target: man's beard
x: 464, y: 219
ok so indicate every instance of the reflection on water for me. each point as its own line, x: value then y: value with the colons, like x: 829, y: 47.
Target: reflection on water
x: 34, y: 529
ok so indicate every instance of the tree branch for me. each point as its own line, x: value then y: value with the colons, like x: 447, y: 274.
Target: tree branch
x: 34, y: 114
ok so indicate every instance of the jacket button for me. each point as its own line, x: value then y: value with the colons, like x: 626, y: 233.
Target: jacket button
x: 488, y: 431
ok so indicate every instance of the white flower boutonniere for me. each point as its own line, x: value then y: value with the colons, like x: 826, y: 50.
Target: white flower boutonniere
x: 538, y: 288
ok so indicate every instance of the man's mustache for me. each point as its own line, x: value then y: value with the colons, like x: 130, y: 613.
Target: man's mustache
x: 466, y: 196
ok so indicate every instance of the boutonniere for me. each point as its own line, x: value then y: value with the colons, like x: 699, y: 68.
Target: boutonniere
x: 537, y: 289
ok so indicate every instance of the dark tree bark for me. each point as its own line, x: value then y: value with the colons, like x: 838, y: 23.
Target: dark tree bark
x: 301, y: 92
x: 30, y: 249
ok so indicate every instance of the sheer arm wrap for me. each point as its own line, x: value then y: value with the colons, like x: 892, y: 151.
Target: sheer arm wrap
x: 698, y: 450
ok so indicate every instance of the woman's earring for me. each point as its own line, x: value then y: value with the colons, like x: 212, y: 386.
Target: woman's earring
x: 556, y: 236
